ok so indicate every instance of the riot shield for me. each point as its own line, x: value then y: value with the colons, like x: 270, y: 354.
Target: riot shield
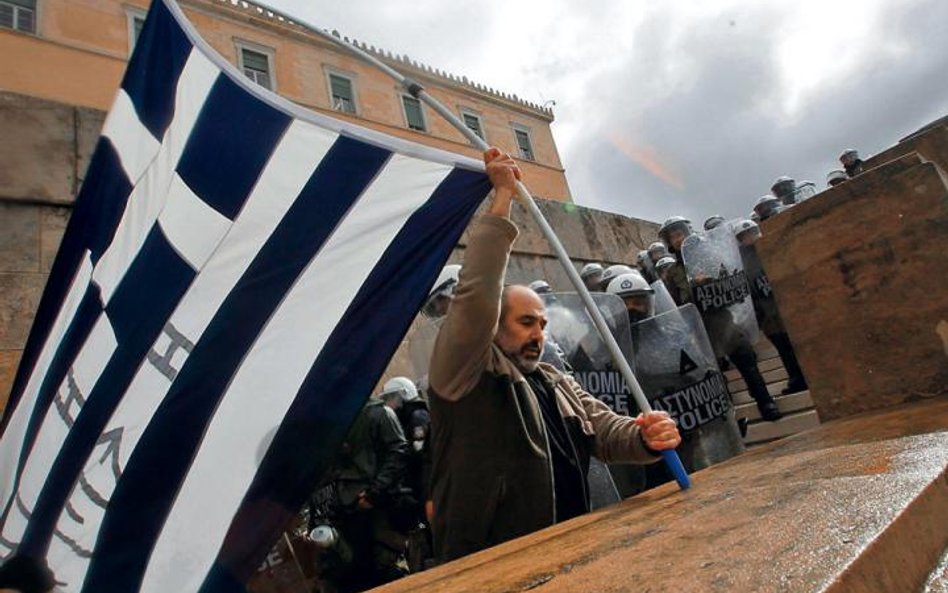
x: 584, y: 350
x: 591, y: 363
x: 678, y: 371
x: 765, y: 305
x: 719, y: 288
x: 663, y: 299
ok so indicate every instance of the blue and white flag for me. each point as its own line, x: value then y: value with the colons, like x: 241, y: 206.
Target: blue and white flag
x: 236, y: 276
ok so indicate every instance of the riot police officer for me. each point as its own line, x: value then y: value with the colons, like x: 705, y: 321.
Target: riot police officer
x: 726, y: 337
x: 635, y: 292
x: 784, y: 189
x: 657, y: 251
x: 612, y: 272
x: 361, y: 548
x: 851, y: 162
x: 541, y: 287
x: 765, y: 306
x: 591, y: 275
x: 441, y: 294
x: 767, y: 206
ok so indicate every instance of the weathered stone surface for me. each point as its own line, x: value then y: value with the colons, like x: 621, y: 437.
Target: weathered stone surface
x: 53, y: 221
x: 9, y: 359
x: 88, y: 126
x: 37, y: 156
x: 857, y: 274
x: 851, y: 506
x: 931, y: 144
x: 19, y: 238
x: 21, y: 294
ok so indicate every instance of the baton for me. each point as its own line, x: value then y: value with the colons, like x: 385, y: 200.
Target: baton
x: 415, y: 89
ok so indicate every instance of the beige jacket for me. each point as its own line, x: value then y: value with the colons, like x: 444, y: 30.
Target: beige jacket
x: 492, y: 476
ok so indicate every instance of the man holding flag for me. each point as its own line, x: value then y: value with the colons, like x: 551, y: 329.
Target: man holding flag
x: 512, y: 437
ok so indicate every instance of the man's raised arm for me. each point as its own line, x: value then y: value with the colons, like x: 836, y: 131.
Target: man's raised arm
x: 462, y: 349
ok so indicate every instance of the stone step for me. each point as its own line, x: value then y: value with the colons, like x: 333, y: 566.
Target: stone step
x: 795, y: 402
x: 790, y: 424
x: 771, y: 376
x: 732, y: 374
x: 743, y: 397
x: 852, y: 505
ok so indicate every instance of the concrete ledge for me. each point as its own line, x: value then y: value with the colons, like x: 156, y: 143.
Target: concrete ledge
x: 826, y: 510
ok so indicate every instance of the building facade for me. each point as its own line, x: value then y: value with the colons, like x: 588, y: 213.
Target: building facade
x: 75, y: 51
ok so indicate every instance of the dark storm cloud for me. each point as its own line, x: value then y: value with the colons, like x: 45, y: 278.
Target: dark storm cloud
x: 708, y: 100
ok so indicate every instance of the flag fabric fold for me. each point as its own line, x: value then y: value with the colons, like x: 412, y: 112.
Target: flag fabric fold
x: 235, y: 277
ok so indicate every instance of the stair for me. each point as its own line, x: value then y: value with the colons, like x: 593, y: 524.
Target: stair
x: 799, y: 413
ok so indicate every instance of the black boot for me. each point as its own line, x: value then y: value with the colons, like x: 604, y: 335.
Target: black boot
x: 768, y: 409
x: 795, y: 383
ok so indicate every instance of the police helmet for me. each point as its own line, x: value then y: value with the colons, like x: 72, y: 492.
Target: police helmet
x: 767, y: 206
x: 443, y: 289
x: 627, y: 285
x: 783, y: 186
x: 657, y: 248
x: 744, y: 227
x: 401, y: 386
x: 673, y: 223
x: 835, y: 177
x: 590, y: 270
x: 615, y: 271
x: 665, y: 262
x: 541, y: 287
x: 849, y: 156
x: 714, y: 222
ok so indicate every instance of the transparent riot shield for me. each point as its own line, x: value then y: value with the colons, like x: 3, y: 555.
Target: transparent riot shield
x: 591, y: 363
x: 663, y: 299
x: 719, y: 288
x: 678, y: 371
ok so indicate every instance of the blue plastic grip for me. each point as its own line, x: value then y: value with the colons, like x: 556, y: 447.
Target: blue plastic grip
x: 676, y: 468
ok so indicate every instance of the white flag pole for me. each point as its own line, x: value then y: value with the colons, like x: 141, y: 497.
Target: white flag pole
x: 416, y: 90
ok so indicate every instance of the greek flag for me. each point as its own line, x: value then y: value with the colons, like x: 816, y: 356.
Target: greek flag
x: 236, y: 276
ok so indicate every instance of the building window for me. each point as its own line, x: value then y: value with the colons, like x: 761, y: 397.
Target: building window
x: 473, y: 122
x: 19, y: 15
x: 256, y: 66
x: 414, y: 116
x: 524, y: 143
x: 341, y: 93
x: 136, y: 20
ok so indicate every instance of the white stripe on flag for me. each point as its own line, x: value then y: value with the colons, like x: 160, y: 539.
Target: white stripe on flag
x: 192, y: 227
x: 79, y: 382
x: 12, y: 442
x: 281, y: 181
x: 148, y: 197
x: 135, y: 145
x: 273, y: 371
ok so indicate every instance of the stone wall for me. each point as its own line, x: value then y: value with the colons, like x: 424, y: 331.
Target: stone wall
x: 859, y: 272
x: 44, y: 153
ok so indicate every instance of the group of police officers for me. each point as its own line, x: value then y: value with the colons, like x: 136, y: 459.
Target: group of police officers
x: 688, y: 307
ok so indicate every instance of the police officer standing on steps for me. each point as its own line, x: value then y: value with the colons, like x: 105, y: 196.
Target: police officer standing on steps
x: 767, y: 206
x: 714, y: 222
x: 726, y: 337
x: 765, y: 305
x: 784, y: 189
x: 511, y: 436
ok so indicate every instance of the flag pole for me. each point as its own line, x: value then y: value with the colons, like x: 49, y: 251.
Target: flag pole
x: 418, y: 91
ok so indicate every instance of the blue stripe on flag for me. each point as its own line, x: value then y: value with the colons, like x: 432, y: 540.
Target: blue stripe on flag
x: 160, y: 461
x: 151, y: 79
x: 98, y: 208
x: 89, y: 311
x: 223, y: 156
x: 343, y: 376
x: 149, y: 292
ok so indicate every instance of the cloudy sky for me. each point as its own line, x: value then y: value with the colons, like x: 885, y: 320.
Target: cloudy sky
x: 682, y: 107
